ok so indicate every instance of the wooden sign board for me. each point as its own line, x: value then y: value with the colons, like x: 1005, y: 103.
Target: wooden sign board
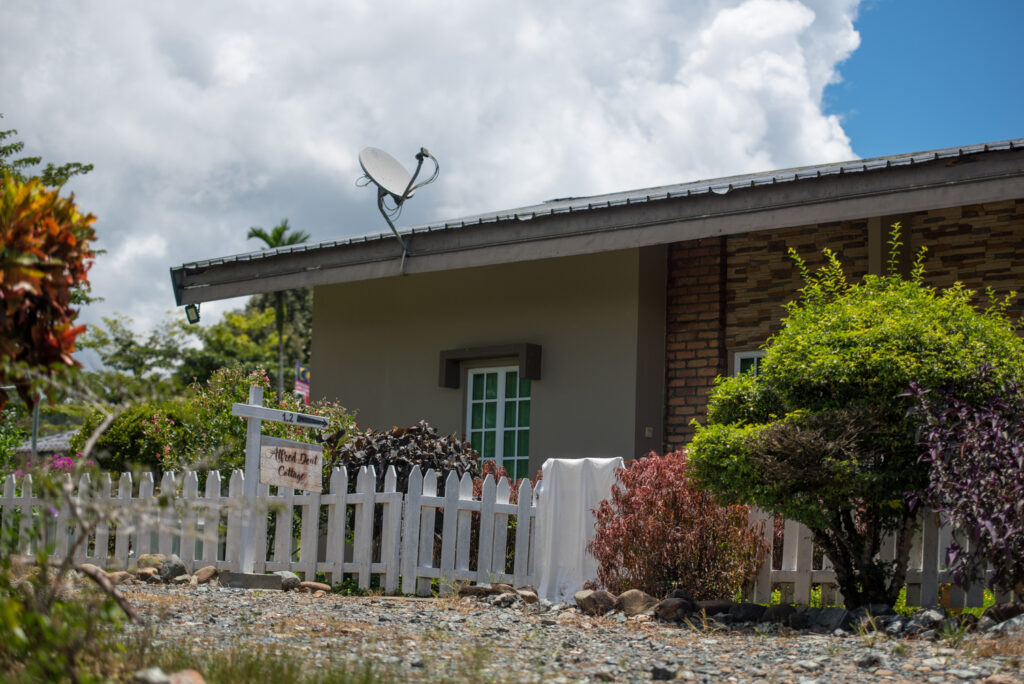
x: 278, y: 416
x: 284, y: 463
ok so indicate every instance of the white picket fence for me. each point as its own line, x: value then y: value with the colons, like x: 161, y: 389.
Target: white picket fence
x: 926, y: 569
x: 204, y: 528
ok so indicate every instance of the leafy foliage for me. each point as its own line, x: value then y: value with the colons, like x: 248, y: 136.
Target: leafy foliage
x: 660, y: 531
x: 975, y: 452
x: 200, y: 431
x: 822, y: 435
x: 405, y: 448
x: 51, y: 176
x: 46, y: 255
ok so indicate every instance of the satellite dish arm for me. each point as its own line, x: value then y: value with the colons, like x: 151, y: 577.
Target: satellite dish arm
x: 420, y: 156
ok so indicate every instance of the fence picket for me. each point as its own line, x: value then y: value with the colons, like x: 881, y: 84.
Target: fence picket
x: 485, y: 544
x: 366, y: 483
x: 426, y: 545
x: 262, y: 512
x: 523, y: 534
x: 168, y: 517
x: 84, y: 494
x: 337, y: 522
x: 209, y: 518
x: 390, y: 547
x: 122, y: 535
x: 236, y: 500
x: 103, y: 523
x: 449, y: 541
x: 410, y: 530
x: 500, y: 530
x: 464, y: 525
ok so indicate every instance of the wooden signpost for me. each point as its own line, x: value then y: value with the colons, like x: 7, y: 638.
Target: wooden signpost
x: 288, y: 464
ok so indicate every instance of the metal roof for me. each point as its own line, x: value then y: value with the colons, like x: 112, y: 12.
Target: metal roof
x: 720, y: 186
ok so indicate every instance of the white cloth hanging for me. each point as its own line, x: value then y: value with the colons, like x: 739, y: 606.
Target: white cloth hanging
x: 571, y: 489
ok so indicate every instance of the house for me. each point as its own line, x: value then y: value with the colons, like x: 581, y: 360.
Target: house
x: 595, y: 326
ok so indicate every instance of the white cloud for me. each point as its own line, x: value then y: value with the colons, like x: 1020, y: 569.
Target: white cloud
x: 204, y: 119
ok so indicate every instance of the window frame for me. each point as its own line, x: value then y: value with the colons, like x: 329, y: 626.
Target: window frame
x: 500, y: 429
x: 739, y: 357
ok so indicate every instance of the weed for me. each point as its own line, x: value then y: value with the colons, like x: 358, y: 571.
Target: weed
x: 707, y: 627
x: 867, y: 631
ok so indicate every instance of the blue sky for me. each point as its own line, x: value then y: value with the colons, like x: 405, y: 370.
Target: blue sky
x: 932, y: 73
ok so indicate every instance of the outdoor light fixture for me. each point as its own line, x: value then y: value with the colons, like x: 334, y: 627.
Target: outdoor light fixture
x: 192, y: 313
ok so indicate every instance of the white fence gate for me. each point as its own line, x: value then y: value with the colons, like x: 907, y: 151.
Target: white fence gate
x: 389, y: 533
x: 336, y: 532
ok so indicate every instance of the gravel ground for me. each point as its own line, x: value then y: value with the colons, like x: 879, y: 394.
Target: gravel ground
x: 468, y: 639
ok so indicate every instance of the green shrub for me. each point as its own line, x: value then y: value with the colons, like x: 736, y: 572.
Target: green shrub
x: 661, y: 532
x: 822, y: 435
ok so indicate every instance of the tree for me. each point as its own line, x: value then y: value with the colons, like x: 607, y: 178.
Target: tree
x: 46, y: 255
x: 281, y: 236
x: 243, y: 337
x: 51, y: 176
x: 823, y: 433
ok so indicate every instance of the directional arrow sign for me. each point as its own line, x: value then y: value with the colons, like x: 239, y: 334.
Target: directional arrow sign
x: 278, y: 416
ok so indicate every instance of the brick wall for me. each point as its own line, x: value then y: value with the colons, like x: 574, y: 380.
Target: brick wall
x: 694, y: 333
x: 979, y: 245
x: 726, y: 294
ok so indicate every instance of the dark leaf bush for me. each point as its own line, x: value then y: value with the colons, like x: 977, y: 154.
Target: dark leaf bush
x: 974, y: 447
x: 661, y: 532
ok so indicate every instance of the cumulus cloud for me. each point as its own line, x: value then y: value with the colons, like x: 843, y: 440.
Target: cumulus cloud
x: 204, y: 119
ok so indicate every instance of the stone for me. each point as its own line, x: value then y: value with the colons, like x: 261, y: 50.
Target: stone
x: 147, y: 574
x: 527, y: 587
x: 747, y: 612
x: 181, y: 579
x: 799, y: 620
x: 594, y: 602
x: 926, y: 618
x: 715, y: 607
x: 1005, y: 611
x: 634, y: 602
x: 151, y: 675
x: 871, y: 659
x: 528, y: 596
x: 172, y: 567
x: 660, y: 673
x: 289, y: 580
x: 985, y: 623
x: 249, y: 580
x: 204, y: 575
x: 1000, y: 679
x: 318, y: 594
x: 150, y: 560
x: 779, y: 613
x: 503, y: 588
x: 479, y: 590
x: 895, y: 628
x: 314, y: 586
x: 679, y: 593
x: 119, y: 577
x: 506, y: 600
x: 828, y: 619
x: 675, y: 609
x: 187, y: 677
x: 1012, y: 626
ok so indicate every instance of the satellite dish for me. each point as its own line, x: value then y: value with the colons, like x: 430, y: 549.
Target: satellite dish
x: 386, y: 172
x: 393, y: 182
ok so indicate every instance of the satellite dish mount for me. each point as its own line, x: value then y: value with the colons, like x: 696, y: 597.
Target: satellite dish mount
x: 394, y: 185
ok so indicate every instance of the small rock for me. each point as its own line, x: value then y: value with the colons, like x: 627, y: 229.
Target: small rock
x: 828, y: 619
x: 204, y: 575
x: 594, y: 602
x: 871, y: 659
x: 999, y: 679
x: 527, y: 595
x: 151, y: 560
x: 479, y: 590
x: 660, y: 673
x: 1012, y: 626
x: 146, y: 574
x: 314, y: 586
x: 527, y: 587
x: 172, y: 567
x: 675, y: 609
x: 633, y: 602
x: 895, y: 628
x: 151, y: 675
x: 289, y: 580
x: 985, y: 623
x: 318, y: 594
x: 926, y: 618
x: 181, y: 579
x: 187, y: 677
x: 715, y: 607
x: 506, y: 600
x: 747, y: 612
x: 779, y: 613
x: 119, y: 577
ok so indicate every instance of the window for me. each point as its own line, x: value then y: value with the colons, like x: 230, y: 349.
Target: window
x: 498, y: 417
x: 747, y: 361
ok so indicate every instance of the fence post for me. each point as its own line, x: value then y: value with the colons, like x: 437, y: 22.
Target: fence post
x: 411, y: 530
x: 253, y: 430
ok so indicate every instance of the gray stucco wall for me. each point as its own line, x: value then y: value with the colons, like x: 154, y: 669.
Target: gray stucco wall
x: 376, y: 347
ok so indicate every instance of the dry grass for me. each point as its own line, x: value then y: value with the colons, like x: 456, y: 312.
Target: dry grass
x: 1012, y: 646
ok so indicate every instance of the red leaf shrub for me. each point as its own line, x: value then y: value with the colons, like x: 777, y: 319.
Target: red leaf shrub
x: 659, y: 532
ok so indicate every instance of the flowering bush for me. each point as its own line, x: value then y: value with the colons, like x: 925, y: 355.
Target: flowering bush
x: 974, y: 445
x: 660, y: 532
